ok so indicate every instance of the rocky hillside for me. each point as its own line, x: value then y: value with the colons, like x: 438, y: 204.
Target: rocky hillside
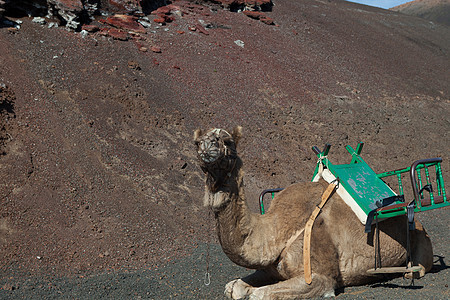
x: 97, y: 165
x: 433, y: 10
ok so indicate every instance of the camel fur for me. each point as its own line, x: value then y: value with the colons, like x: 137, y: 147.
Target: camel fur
x: 272, y: 244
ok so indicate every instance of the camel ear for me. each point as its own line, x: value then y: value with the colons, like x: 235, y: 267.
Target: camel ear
x: 198, y: 133
x: 236, y: 134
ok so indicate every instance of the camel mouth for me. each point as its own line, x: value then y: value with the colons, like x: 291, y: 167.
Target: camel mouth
x: 214, y: 146
x: 209, y: 151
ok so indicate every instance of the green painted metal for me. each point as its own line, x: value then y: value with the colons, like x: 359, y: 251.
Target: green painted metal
x: 400, y: 185
x: 439, y: 184
x: 263, y: 211
x: 360, y: 181
x: 366, y: 187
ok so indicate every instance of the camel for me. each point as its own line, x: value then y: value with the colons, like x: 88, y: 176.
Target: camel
x: 341, y: 253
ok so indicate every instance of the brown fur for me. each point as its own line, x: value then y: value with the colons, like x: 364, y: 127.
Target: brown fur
x: 341, y: 252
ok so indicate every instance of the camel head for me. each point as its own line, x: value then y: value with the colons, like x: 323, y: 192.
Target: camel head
x: 216, y: 152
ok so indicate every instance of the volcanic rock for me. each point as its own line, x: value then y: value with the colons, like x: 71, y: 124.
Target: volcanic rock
x: 254, y: 14
x: 155, y: 49
x: 264, y: 5
x: 68, y: 10
x: 257, y: 15
x: 125, y: 22
x: 116, y: 34
x: 201, y: 29
x: 90, y: 28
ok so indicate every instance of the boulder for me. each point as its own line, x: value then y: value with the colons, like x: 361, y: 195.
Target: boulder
x: 71, y: 11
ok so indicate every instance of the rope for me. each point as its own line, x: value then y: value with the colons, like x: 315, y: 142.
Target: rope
x: 321, y: 164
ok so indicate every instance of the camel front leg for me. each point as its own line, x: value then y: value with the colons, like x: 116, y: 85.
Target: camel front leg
x: 295, y: 288
x: 240, y: 288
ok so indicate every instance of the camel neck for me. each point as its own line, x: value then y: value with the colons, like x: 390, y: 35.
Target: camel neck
x: 234, y: 222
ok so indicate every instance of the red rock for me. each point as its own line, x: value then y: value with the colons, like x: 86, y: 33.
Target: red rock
x: 201, y: 29
x: 254, y: 14
x: 162, y: 10
x: 160, y: 20
x: 114, y: 33
x: 155, y: 49
x: 125, y: 22
x: 166, y: 10
x: 90, y: 28
x: 169, y: 19
x: 267, y: 20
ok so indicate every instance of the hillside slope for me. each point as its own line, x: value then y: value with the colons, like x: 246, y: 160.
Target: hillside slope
x: 433, y: 10
x: 98, y: 170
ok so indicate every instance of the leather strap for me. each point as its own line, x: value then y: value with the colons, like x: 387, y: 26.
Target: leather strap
x: 307, y: 233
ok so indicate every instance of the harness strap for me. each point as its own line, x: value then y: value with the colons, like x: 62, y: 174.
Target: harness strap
x: 307, y: 233
x: 383, y: 203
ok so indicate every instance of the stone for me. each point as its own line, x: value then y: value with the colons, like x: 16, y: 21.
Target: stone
x: 39, y: 20
x: 267, y: 20
x: 239, y: 43
x: 201, y: 29
x: 167, y: 10
x: 114, y: 33
x: 254, y: 14
x: 68, y: 10
x: 159, y: 20
x: 90, y: 28
x: 125, y: 22
x: 155, y: 49
x: 134, y: 65
x: 84, y: 33
x: 257, y: 15
x: 145, y: 23
x: 168, y: 19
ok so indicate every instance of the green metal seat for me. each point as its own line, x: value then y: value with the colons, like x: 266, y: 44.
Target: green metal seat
x: 368, y: 188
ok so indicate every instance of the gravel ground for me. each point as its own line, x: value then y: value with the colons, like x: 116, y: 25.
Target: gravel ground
x: 184, y: 278
x: 98, y: 176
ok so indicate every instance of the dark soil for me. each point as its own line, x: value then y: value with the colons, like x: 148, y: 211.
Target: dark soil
x: 100, y: 193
